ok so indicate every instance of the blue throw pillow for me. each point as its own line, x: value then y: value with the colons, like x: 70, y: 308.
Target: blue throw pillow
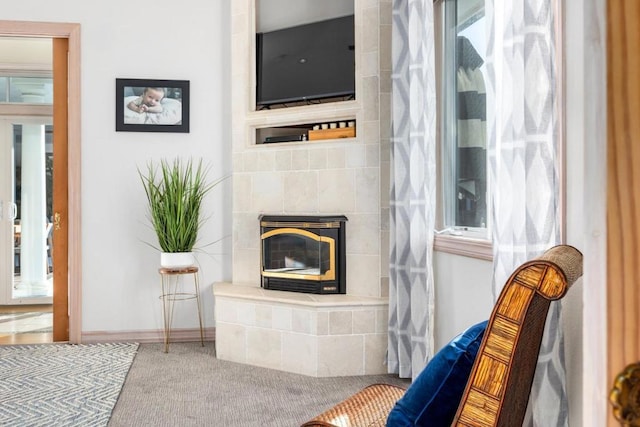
x: 432, y: 399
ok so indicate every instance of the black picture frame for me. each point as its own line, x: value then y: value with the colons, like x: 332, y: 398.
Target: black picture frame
x: 174, y: 106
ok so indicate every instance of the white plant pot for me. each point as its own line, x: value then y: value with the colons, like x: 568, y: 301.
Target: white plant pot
x: 177, y: 259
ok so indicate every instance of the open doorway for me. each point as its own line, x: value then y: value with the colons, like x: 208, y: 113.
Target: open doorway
x: 65, y: 221
x: 26, y: 150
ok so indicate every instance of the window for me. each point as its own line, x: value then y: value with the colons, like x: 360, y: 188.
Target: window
x: 463, y: 167
x: 26, y: 89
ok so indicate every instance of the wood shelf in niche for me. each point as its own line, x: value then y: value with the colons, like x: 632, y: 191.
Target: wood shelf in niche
x: 343, y: 132
x: 307, y: 132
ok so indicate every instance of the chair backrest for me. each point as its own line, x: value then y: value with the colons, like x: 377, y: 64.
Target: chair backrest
x: 498, y: 388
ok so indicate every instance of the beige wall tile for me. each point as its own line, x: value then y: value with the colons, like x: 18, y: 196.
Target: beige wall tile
x: 364, y: 321
x: 355, y: 155
x: 340, y: 322
x: 301, y: 321
x: 384, y: 287
x: 266, y: 160
x: 246, y: 313
x: 239, y: 24
x: 370, y: 64
x: 371, y: 98
x: 372, y: 156
x: 282, y: 318
x: 321, y: 320
x: 370, y: 130
x: 370, y: 28
x: 251, y: 163
x: 283, y: 160
x: 385, y: 187
x: 301, y: 191
x: 385, y: 13
x: 375, y: 349
x: 340, y: 355
x: 246, y: 266
x: 362, y: 235
x: 268, y: 192
x: 299, y: 353
x: 336, y: 190
x: 231, y: 342
x: 384, y: 253
x: 382, y: 320
x: 242, y: 188
x: 367, y: 4
x: 368, y: 192
x: 245, y: 231
x: 226, y: 310
x: 385, y: 115
x: 336, y: 158
x: 264, y: 348
x: 318, y: 158
x: 238, y: 165
x: 300, y: 160
x: 264, y: 315
x: 363, y: 275
x: 240, y: 7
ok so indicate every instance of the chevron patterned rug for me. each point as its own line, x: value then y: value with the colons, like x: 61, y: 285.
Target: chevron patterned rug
x: 62, y: 384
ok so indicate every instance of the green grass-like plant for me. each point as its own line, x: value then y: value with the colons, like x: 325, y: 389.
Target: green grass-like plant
x: 175, y: 191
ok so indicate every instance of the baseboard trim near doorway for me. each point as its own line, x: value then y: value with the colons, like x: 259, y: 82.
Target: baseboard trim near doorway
x: 148, y: 336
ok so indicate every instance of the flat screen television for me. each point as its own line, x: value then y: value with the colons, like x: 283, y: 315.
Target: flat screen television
x: 305, y: 63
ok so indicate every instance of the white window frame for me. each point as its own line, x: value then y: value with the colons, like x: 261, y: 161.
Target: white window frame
x: 465, y: 241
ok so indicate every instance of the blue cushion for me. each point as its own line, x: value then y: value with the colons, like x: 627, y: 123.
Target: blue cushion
x: 432, y: 398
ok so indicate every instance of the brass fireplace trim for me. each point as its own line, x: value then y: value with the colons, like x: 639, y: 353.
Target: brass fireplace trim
x: 300, y: 224
x: 330, y: 274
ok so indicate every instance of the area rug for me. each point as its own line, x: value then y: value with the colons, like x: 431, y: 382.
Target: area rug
x: 62, y: 384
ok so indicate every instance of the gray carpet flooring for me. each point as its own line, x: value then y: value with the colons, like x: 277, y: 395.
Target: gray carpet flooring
x: 190, y: 387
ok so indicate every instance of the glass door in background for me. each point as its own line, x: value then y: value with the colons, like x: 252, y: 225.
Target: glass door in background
x: 27, y: 219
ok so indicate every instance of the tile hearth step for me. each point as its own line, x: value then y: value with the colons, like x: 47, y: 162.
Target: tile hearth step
x: 310, y: 334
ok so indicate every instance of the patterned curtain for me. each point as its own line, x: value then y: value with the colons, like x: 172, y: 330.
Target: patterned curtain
x: 412, y: 201
x: 523, y: 163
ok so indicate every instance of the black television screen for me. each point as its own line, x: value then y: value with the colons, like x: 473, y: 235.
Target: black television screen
x: 306, y: 62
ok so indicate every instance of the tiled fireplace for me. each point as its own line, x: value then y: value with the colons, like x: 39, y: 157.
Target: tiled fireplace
x: 313, y: 334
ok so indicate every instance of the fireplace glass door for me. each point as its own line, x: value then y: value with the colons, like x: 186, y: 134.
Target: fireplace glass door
x: 303, y: 253
x: 298, y: 254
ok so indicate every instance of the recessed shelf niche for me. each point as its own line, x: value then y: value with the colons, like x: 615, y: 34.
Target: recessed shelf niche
x: 329, y: 130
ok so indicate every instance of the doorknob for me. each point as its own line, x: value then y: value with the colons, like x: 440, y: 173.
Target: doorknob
x: 13, y: 211
x: 623, y: 396
x: 56, y: 221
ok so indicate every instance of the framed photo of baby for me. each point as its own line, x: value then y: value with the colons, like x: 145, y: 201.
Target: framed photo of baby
x: 144, y: 105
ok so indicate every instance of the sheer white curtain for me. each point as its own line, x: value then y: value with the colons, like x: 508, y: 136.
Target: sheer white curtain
x: 522, y: 116
x: 412, y: 201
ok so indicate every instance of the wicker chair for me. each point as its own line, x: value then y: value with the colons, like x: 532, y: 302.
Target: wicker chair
x: 498, y: 388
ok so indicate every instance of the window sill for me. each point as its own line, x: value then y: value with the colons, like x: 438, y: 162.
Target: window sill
x: 464, y: 246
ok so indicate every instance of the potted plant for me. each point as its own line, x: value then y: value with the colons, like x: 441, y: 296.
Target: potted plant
x: 175, y: 191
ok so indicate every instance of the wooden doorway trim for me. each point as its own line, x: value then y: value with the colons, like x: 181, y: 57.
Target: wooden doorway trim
x: 71, y: 32
x: 60, y: 47
x: 623, y: 187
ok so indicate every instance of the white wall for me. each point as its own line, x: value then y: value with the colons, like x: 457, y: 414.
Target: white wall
x: 133, y: 40
x: 463, y: 294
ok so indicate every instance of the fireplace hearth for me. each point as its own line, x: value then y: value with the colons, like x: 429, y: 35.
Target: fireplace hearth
x: 303, y: 253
